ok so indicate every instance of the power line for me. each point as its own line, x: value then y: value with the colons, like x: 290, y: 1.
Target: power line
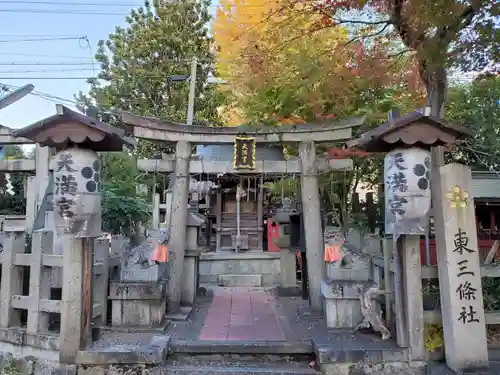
x: 107, y: 4
x: 42, y: 55
x: 41, y: 39
x: 63, y: 63
x: 43, y: 95
x: 25, y: 35
x: 45, y: 71
x: 44, y: 78
x: 76, y: 3
x: 62, y: 11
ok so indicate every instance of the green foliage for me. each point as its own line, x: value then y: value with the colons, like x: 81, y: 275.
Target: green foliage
x: 477, y: 107
x: 337, y: 187
x: 433, y: 336
x: 491, y: 293
x: 119, y: 171
x: 122, y: 206
x: 13, y: 204
x: 10, y: 368
x: 138, y: 61
x: 120, y: 213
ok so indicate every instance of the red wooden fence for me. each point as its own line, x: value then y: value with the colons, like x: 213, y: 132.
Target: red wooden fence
x: 484, y: 248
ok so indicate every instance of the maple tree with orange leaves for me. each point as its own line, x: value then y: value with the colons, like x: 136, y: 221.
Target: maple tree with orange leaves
x: 434, y: 35
x: 285, y: 68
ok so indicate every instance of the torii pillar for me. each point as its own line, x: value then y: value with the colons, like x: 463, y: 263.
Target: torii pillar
x: 311, y: 209
x: 178, y: 225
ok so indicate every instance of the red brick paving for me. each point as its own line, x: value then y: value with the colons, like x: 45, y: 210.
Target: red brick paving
x: 241, y: 314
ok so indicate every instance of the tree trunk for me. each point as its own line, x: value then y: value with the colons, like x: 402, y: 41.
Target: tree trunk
x: 435, y: 79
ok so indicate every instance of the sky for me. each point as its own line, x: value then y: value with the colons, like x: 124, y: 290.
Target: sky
x: 24, y: 20
x: 62, y: 59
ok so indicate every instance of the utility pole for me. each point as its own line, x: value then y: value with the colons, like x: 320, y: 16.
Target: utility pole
x: 192, y: 92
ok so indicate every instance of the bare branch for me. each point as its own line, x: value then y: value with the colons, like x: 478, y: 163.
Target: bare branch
x: 339, y: 21
x: 377, y: 33
x: 403, y: 28
x: 260, y: 23
x: 312, y: 31
x: 448, y: 32
x: 402, y: 53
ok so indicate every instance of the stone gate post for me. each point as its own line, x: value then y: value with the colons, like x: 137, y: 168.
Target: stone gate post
x: 407, y: 141
x: 462, y: 307
x: 77, y: 212
x: 312, y: 219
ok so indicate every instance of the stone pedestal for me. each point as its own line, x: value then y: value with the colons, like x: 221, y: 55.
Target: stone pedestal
x: 137, y: 305
x: 195, y: 222
x: 76, y: 302
x: 190, y: 280
x: 341, y: 303
x: 288, y: 274
x: 341, y: 300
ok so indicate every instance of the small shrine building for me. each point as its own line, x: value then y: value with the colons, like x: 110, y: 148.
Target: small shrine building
x: 238, y: 161
x: 240, y: 205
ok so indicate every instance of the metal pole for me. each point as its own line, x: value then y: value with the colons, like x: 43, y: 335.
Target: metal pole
x: 238, y: 219
x: 192, y: 91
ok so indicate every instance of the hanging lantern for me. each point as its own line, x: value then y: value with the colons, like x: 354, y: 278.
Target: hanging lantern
x: 77, y: 193
x: 407, y: 175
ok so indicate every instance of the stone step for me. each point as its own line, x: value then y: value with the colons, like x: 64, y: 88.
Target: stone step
x: 243, y: 229
x: 244, y: 370
x: 239, y: 280
x: 246, y: 222
x: 219, y: 364
x: 242, y: 214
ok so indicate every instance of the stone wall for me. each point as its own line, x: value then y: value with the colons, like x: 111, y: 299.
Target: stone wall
x: 26, y: 360
x: 213, y: 265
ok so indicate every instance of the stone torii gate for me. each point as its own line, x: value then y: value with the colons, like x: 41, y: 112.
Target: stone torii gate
x: 40, y: 165
x: 307, y: 165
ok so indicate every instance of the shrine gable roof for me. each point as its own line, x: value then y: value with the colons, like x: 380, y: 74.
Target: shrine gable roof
x: 70, y: 127
x: 413, y: 130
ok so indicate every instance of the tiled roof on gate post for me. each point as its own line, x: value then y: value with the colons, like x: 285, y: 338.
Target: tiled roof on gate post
x: 413, y: 130
x: 68, y: 127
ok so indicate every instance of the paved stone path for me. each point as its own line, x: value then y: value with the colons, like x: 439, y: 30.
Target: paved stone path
x: 244, y: 314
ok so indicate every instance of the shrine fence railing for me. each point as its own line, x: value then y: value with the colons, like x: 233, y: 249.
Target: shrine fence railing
x: 29, y: 312
x: 430, y: 272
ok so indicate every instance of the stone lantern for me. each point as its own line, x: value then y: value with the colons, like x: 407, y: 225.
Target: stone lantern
x: 407, y: 142
x: 282, y: 218
x: 77, y: 210
x: 288, y: 275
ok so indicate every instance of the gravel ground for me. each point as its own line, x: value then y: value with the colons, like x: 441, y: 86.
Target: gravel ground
x: 190, y: 330
x: 298, y: 322
x: 117, y: 340
x: 442, y: 369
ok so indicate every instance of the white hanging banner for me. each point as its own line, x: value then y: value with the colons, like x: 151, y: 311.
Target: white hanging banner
x: 407, y: 178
